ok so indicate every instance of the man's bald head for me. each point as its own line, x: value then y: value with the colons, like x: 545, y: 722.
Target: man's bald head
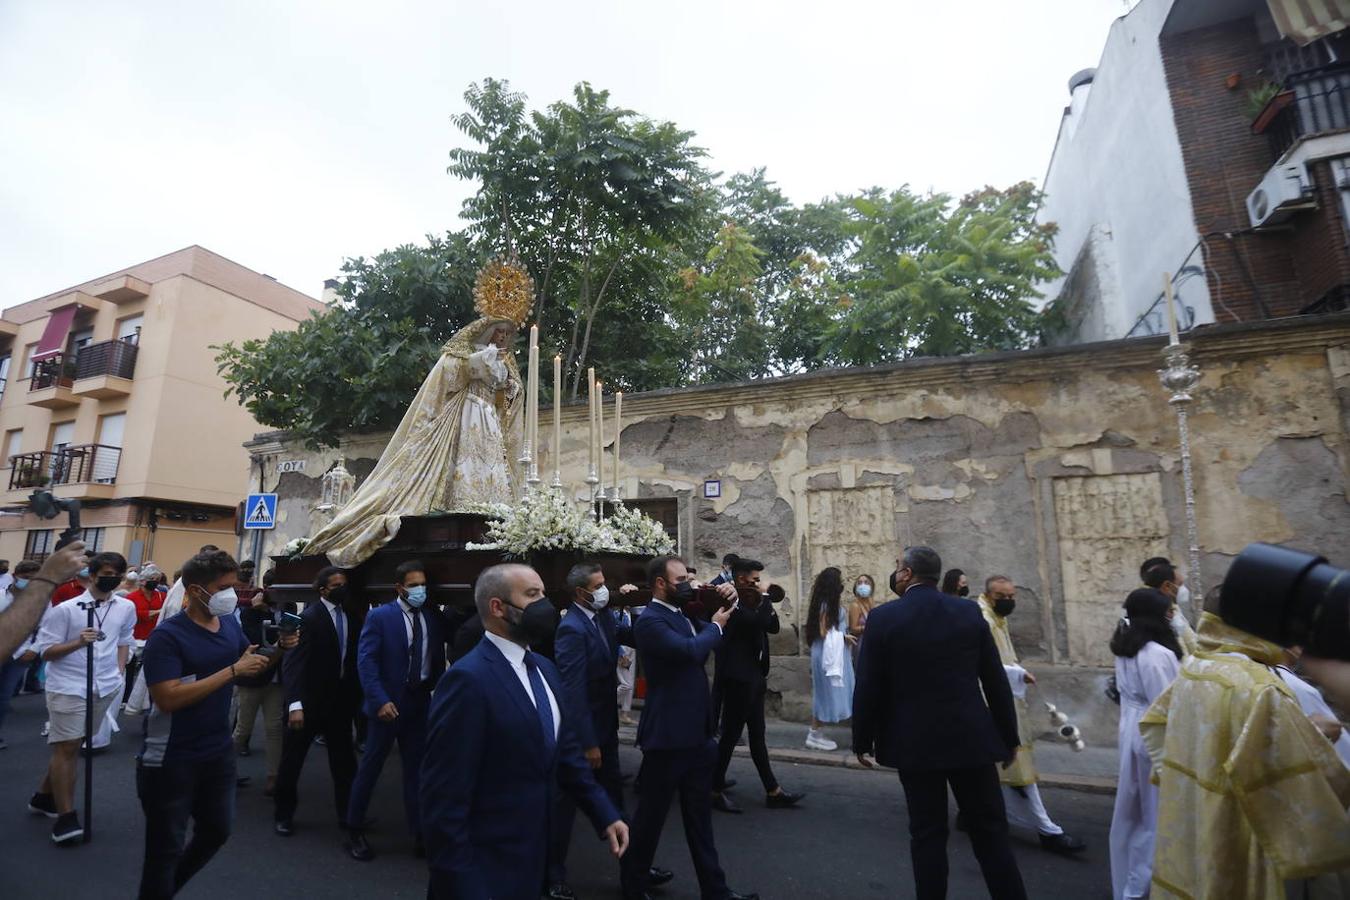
x: 509, y: 584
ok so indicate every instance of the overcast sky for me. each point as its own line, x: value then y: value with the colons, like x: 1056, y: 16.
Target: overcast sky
x: 288, y: 135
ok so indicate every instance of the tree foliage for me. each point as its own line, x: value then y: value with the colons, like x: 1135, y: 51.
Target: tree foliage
x: 654, y: 271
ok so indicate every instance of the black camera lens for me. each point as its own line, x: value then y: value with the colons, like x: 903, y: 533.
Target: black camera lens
x: 1289, y: 597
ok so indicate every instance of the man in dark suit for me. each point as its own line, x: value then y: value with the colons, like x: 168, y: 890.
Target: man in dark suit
x: 927, y: 666
x: 676, y: 731
x: 499, y: 746
x: 400, y: 657
x: 323, y: 694
x: 743, y: 660
x: 586, y: 652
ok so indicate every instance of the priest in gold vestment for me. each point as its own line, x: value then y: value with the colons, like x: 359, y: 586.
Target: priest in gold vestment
x: 1251, y: 794
x: 1021, y: 795
x: 459, y: 442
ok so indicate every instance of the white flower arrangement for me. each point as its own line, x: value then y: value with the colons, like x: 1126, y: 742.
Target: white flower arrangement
x: 547, y: 520
x: 294, y: 548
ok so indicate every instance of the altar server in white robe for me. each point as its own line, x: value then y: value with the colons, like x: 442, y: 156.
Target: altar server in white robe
x: 1148, y: 657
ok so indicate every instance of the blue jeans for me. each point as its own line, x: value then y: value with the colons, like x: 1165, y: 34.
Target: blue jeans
x: 11, y: 676
x: 171, y: 795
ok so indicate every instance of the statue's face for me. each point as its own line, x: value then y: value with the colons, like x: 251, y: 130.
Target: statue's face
x: 502, y: 335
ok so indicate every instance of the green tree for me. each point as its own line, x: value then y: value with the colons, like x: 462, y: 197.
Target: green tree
x: 357, y: 366
x: 589, y: 194
x: 717, y: 305
x: 926, y: 278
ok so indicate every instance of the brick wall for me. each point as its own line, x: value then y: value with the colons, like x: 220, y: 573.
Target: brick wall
x: 1283, y: 271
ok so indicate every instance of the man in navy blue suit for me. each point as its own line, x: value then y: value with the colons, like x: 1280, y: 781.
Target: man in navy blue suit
x: 933, y: 701
x: 399, y: 657
x: 676, y: 729
x: 499, y: 747
x: 586, y: 651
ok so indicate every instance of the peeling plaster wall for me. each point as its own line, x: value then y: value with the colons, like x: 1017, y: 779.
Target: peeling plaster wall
x: 1059, y: 468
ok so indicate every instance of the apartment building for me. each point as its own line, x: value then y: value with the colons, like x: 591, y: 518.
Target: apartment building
x: 109, y: 393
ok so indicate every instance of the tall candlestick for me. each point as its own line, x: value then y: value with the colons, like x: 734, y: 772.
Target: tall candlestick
x: 557, y: 421
x: 600, y: 434
x: 591, y: 441
x: 1173, y: 338
x: 532, y: 413
x: 618, y: 433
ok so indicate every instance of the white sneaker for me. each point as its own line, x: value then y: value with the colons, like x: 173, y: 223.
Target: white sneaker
x: 46, y: 727
x: 817, y: 741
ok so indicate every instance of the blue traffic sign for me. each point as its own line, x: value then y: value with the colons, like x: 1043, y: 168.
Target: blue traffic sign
x: 260, y: 511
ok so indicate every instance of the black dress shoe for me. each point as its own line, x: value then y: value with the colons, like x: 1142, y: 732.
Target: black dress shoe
x: 1063, y: 844
x: 722, y: 803
x: 358, y: 848
x: 732, y: 895
x: 560, y: 891
x: 657, y: 876
x: 782, y: 800
x: 283, y: 827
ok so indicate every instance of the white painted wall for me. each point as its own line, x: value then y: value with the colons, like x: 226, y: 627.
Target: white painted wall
x: 1116, y: 177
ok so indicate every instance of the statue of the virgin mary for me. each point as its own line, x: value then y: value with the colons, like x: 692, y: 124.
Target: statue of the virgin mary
x: 459, y: 442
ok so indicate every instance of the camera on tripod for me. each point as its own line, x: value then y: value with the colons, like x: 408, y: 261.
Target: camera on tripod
x: 1290, y: 598
x: 46, y: 505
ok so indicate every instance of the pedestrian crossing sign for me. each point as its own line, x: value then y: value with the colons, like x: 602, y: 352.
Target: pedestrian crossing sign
x: 260, y: 511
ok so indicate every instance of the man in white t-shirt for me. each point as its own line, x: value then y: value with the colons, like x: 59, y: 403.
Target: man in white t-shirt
x: 63, y: 641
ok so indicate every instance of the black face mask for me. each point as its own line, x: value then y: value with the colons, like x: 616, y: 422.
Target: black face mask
x: 339, y: 595
x: 108, y: 583
x: 1004, y: 606
x: 892, y: 582
x: 535, y: 624
x: 963, y: 591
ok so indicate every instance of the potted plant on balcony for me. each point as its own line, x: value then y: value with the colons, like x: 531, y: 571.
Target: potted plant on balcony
x: 1265, y: 103
x: 31, y: 475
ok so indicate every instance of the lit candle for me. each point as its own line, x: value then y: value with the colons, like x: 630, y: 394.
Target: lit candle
x: 600, y: 435
x: 557, y: 420
x: 590, y: 395
x: 618, y: 433
x: 1171, y: 311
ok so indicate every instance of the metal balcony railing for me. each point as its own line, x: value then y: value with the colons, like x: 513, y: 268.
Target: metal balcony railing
x: 77, y: 464
x: 1321, y: 103
x: 54, y: 371
x: 117, y: 358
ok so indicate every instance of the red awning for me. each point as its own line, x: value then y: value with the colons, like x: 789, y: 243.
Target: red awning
x: 54, y: 336
x: 1304, y: 21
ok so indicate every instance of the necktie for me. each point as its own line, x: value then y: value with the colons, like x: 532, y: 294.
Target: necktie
x: 415, y: 657
x: 342, y: 639
x: 541, y: 704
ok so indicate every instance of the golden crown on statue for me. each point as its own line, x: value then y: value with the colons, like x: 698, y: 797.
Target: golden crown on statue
x: 504, y: 290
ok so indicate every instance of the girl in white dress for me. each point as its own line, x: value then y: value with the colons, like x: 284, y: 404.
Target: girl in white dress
x: 1148, y: 657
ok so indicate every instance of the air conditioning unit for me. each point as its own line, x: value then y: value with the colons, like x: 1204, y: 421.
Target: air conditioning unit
x: 1283, y: 192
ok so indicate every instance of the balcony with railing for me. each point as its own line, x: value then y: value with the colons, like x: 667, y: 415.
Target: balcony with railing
x: 105, y: 369
x: 81, y: 470
x: 1313, y: 102
x: 50, y: 386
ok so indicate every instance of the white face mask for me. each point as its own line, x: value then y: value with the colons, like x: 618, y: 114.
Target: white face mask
x: 864, y: 591
x: 600, y: 597
x: 222, y: 603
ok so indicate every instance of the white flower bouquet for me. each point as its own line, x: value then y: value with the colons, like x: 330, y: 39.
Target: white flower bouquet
x: 295, y: 548
x: 546, y: 520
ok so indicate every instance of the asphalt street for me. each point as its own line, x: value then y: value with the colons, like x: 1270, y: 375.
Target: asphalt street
x: 848, y: 838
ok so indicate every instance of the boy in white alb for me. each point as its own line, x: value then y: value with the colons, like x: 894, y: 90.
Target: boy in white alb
x: 61, y: 641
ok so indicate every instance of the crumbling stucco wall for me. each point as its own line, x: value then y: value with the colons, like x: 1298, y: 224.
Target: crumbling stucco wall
x: 1059, y: 468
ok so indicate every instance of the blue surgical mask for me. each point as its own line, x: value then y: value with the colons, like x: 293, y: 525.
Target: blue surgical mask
x: 21, y: 583
x: 864, y: 590
x: 84, y: 573
x: 416, y: 596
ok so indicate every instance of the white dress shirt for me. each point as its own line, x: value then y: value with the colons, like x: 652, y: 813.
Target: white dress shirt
x: 115, y: 617
x: 334, y: 612
x: 408, y: 612
x: 515, y: 655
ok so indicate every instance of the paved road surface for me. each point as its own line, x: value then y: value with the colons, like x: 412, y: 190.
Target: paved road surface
x: 848, y: 840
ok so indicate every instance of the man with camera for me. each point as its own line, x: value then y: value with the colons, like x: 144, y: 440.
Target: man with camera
x: 744, y: 664
x: 63, y: 641
x: 675, y: 732
x: 186, y: 768
x: 261, y: 619
x: 1251, y: 793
